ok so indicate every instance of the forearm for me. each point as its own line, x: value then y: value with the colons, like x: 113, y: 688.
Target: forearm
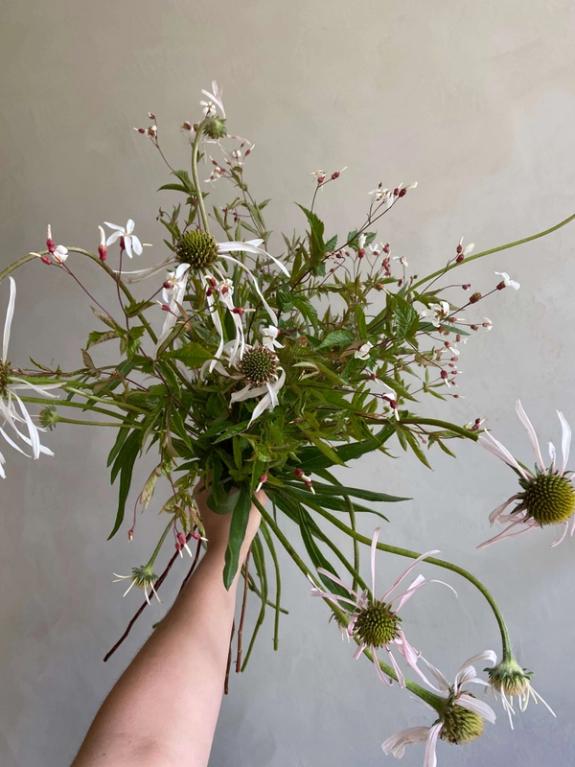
x: 164, y: 709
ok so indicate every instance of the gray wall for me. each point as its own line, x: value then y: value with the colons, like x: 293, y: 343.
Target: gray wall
x: 477, y: 102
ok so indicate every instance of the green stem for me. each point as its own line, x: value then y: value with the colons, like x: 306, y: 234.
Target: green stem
x: 270, y: 544
x: 152, y: 559
x: 80, y: 422
x: 68, y: 403
x: 428, y: 697
x: 196, y: 178
x: 399, y: 551
x: 497, y: 249
x: 461, y: 430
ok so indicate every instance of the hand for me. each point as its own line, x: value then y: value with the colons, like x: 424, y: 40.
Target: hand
x: 217, y: 526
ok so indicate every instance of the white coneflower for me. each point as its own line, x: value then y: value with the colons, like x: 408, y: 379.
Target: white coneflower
x: 259, y: 369
x: 374, y: 622
x: 510, y: 683
x: 16, y: 424
x: 547, y: 495
x: 461, y: 716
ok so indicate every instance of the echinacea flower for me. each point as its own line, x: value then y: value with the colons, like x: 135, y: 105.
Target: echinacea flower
x: 259, y: 368
x: 375, y: 623
x: 144, y: 578
x: 547, y: 495
x: 13, y: 412
x: 460, y: 715
x: 129, y: 242
x: 509, y: 681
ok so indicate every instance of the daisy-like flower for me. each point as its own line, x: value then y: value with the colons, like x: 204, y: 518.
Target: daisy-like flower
x: 144, y: 578
x: 507, y: 282
x: 259, y: 369
x: 511, y: 683
x: 547, y: 495
x: 16, y: 424
x: 460, y: 715
x: 375, y: 623
x: 129, y: 242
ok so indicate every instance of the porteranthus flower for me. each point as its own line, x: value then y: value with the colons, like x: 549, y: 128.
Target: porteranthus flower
x: 129, y: 242
x: 144, y: 578
x: 375, y: 623
x: 512, y: 685
x: 461, y: 716
x: 547, y: 494
x: 16, y: 424
x: 507, y: 282
x: 363, y: 352
x: 173, y: 293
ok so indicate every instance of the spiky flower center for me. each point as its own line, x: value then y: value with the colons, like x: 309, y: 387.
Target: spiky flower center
x: 460, y: 725
x: 549, y: 498
x: 377, y: 625
x: 197, y: 248
x: 259, y: 365
x: 4, y: 378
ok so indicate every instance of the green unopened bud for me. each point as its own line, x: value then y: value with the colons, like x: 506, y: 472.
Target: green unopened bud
x: 150, y: 485
x: 49, y: 417
x: 510, y: 678
x: 215, y: 127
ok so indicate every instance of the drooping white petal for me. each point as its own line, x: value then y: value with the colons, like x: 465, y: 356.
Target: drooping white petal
x: 137, y: 245
x: 405, y: 574
x: 251, y: 246
x: 272, y: 315
x: 395, y: 744
x: 128, y: 246
x: 477, y: 706
x: 493, y: 446
x: 430, y: 757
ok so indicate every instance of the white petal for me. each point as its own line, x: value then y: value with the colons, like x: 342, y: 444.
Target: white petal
x: 137, y: 245
x: 492, y: 445
x: 565, y: 439
x: 395, y: 744
x: 115, y: 226
x: 430, y: 757
x: 9, y: 317
x: 128, y: 246
x: 524, y: 418
x: 477, y: 706
x: 130, y: 226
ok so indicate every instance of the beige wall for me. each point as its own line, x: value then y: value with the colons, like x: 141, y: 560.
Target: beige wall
x: 476, y: 100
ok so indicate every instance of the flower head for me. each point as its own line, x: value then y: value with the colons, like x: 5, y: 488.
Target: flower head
x: 16, y: 424
x: 460, y: 715
x: 129, y: 242
x: 510, y: 682
x: 547, y: 495
x: 375, y: 622
x: 143, y: 577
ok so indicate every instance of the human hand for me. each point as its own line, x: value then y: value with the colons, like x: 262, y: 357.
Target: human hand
x: 217, y: 526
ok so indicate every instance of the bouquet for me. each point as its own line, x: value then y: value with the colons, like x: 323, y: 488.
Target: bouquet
x: 258, y: 368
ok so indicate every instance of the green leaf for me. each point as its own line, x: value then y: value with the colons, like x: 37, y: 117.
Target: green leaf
x: 124, y: 465
x: 312, y: 458
x: 99, y: 337
x: 357, y: 492
x: 193, y: 355
x: 406, y: 319
x: 336, y: 339
x: 240, y: 516
x: 317, y: 247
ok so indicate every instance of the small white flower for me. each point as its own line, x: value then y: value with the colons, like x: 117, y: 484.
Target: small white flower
x: 214, y: 101
x: 130, y: 242
x: 507, y: 281
x: 363, y: 352
x: 460, y: 715
x: 13, y: 412
x: 58, y: 252
x: 173, y: 294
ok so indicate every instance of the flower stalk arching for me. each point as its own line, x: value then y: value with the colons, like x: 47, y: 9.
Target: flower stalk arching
x: 196, y: 178
x: 433, y: 700
x: 506, y: 649
x: 496, y: 249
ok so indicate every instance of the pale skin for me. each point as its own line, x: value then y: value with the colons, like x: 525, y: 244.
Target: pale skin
x: 163, y: 710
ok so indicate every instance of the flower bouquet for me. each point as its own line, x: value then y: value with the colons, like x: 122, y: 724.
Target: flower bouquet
x: 260, y: 368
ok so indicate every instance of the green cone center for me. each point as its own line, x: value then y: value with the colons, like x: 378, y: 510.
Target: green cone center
x: 215, y: 127
x: 460, y: 725
x: 4, y: 377
x: 196, y: 248
x: 377, y: 625
x: 549, y: 498
x: 259, y: 365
